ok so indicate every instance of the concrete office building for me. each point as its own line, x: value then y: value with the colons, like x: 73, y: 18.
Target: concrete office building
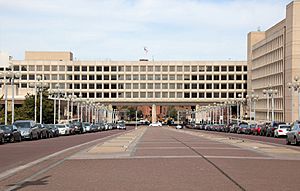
x: 274, y: 61
x: 149, y: 83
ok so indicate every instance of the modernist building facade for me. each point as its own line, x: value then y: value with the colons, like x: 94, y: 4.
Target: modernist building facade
x: 273, y: 62
x: 135, y: 82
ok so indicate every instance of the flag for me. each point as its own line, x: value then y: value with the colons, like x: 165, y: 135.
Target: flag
x: 145, y: 49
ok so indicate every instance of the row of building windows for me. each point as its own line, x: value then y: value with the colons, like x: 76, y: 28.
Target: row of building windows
x: 147, y: 86
x: 136, y: 77
x: 130, y: 68
x: 158, y: 95
x: 268, y: 70
x: 268, y: 47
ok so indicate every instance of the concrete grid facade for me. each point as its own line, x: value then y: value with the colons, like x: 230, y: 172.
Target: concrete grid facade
x: 146, y: 82
x: 273, y: 61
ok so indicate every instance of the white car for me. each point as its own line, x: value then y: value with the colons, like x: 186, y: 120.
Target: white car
x: 156, y: 124
x: 63, y: 129
x: 178, y: 127
x: 281, y: 130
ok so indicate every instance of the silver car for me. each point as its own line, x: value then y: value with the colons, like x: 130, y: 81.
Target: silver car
x: 293, y: 134
x: 28, y: 129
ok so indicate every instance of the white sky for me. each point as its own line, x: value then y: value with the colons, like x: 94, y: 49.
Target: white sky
x: 120, y: 29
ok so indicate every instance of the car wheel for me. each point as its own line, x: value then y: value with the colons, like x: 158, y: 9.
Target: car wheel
x: 287, y: 141
x: 2, y: 140
x: 12, y: 139
x: 295, y: 141
x: 20, y: 138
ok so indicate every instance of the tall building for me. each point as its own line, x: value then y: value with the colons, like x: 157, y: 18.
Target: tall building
x: 274, y: 61
x: 150, y: 83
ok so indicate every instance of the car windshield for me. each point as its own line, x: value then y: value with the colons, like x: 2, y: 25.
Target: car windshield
x: 5, y: 128
x: 243, y: 125
x: 60, y: 126
x: 284, y: 127
x: 23, y: 125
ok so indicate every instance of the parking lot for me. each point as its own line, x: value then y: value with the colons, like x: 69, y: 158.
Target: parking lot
x: 164, y: 158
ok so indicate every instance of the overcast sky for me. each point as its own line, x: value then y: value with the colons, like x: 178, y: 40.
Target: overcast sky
x: 120, y: 29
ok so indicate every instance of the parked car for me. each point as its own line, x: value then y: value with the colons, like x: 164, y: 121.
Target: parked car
x: 28, y: 129
x: 2, y: 139
x: 86, y: 126
x: 281, y: 130
x: 256, y: 130
x: 52, y: 128
x: 94, y: 128
x: 293, y: 134
x: 63, y: 129
x: 263, y: 129
x: 11, y: 133
x: 43, y: 131
x: 156, y: 124
x: 121, y: 126
x: 250, y: 128
x: 234, y: 128
x: 78, y: 127
x: 242, y: 128
x: 178, y: 127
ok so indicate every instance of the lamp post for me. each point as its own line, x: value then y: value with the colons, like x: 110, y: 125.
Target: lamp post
x: 253, y: 98
x: 40, y: 86
x: 269, y: 92
x: 295, y: 86
x: 9, y: 75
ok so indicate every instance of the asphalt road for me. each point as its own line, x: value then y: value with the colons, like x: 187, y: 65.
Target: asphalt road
x: 17, y: 154
x: 167, y: 159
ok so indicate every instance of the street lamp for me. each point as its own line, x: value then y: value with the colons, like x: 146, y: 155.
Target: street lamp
x: 10, y: 75
x: 269, y: 92
x: 55, y: 95
x: 295, y: 86
x: 253, y: 98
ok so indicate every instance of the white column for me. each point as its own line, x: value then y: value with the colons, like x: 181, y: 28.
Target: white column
x: 198, y: 114
x: 154, y: 113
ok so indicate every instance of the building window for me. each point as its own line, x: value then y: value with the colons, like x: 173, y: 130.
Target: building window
x: 194, y: 86
x: 238, y: 68
x: 84, y: 77
x: 231, y: 77
x: 223, y: 95
x: 172, y: 68
x: 216, y: 68
x: 157, y: 86
x: 91, y: 86
x: 157, y: 76
x: 216, y: 86
x: 135, y: 68
x: 120, y: 86
x: 83, y: 86
x: 46, y: 68
x: 238, y: 86
x: 61, y: 77
x: 179, y: 68
x: 39, y: 68
x: 194, y: 77
x: 31, y: 68
x: 113, y: 95
x: 150, y: 77
x: 245, y: 76
x: 208, y: 77
x: 150, y: 68
x: 179, y: 94
x: 187, y: 68
x: 164, y: 95
x: 99, y: 95
x: 23, y: 85
x: 62, y: 68
x: 106, y: 95
x: 172, y: 86
x: 47, y: 77
x: 186, y: 95
x: 223, y: 86
x: 113, y: 77
x: 245, y: 68
x: 157, y: 68
x: 24, y: 77
x: 150, y: 86
x: 113, y: 68
x: 201, y: 95
x: 135, y: 86
x: 76, y: 77
x: 231, y: 68
x: 194, y: 68
x: 143, y: 68
x: 165, y: 68
x: 194, y: 95
x: 201, y: 68
x: 231, y: 86
x: 201, y: 77
x: 201, y: 86
x: 208, y: 86
x: 165, y: 77
x: 223, y: 68
x: 208, y: 68
x: 179, y: 86
x: 135, y: 77
x: 106, y: 69
x: 223, y: 77
x: 208, y: 95
x: 76, y: 68
x: 216, y: 95
x: 106, y: 86
x: 128, y: 86
x: 238, y: 77
x: 84, y: 68
x: 99, y: 77
x: 157, y: 95
x: 99, y: 86
x: 91, y: 77
x: 16, y: 68
x: 77, y: 86
x: 164, y: 86
x: 106, y: 77
x: 99, y: 68
x: 172, y: 94
x: 179, y: 77
x: 143, y: 86
x: 142, y: 77
x: 121, y: 95
x: 31, y: 77
x: 150, y: 94
x: 186, y: 86
x: 231, y: 95
x: 113, y: 86
x: 92, y: 68
x: 216, y: 77
x: 186, y: 77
